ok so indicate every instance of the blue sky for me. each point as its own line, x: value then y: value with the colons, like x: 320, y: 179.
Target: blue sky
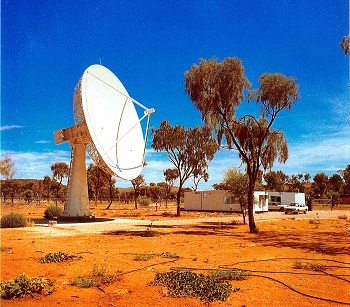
x: 47, y: 45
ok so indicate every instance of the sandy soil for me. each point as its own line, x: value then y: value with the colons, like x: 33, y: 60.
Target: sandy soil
x: 203, y: 241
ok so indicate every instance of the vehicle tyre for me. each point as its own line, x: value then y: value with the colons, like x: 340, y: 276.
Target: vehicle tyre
x: 285, y: 212
x: 281, y: 209
x: 305, y: 211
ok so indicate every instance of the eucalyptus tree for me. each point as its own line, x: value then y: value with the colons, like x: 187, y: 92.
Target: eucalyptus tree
x: 275, y: 180
x: 7, y: 168
x: 345, y: 44
x: 98, y: 180
x: 137, y: 183
x: 296, y: 183
x: 320, y: 184
x: 217, y: 90
x: 47, y: 186
x: 198, y: 177
x: 345, y: 173
x: 60, y: 170
x: 28, y: 196
x: 10, y: 189
x: 336, y: 183
x: 237, y: 183
x: 111, y: 189
x: 170, y: 175
x: 189, y: 150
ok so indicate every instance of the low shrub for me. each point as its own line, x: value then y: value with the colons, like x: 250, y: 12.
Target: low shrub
x: 168, y: 255
x: 309, y: 266
x: 144, y: 201
x: 143, y: 257
x: 98, y: 271
x: 96, y: 279
x: 54, y: 257
x: 53, y: 212
x: 343, y: 217
x: 22, y: 285
x: 82, y: 282
x: 190, y: 284
x: 13, y: 220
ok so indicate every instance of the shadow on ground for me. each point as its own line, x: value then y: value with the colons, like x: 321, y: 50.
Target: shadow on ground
x: 330, y: 243
x: 203, y: 229
x: 43, y: 220
x: 326, y: 242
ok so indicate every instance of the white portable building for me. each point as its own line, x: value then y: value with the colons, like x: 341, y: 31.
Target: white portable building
x: 221, y: 201
x: 285, y: 198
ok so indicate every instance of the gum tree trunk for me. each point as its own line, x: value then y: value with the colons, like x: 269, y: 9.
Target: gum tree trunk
x: 252, y: 226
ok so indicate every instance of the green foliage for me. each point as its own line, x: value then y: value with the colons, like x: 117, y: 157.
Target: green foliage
x: 54, y: 257
x: 144, y: 201
x: 189, y: 150
x: 82, y: 282
x: 22, y: 285
x: 96, y: 279
x: 320, y: 183
x: 52, y: 212
x: 230, y: 274
x: 98, y: 271
x: 345, y: 44
x: 143, y: 257
x: 168, y: 255
x: 217, y: 90
x: 7, y: 168
x: 13, y: 220
x: 146, y: 257
x: 28, y: 195
x: 309, y: 266
x: 189, y: 284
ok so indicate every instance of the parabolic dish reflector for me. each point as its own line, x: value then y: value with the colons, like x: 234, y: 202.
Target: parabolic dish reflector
x: 113, y: 138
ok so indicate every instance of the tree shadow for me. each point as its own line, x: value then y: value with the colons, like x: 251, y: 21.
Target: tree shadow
x: 202, y: 229
x: 43, y: 220
x: 330, y: 243
x: 134, y: 233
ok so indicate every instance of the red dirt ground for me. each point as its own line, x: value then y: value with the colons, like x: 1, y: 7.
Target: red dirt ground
x: 201, y: 245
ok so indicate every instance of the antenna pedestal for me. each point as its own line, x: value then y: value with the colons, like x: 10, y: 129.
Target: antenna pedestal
x: 76, y: 207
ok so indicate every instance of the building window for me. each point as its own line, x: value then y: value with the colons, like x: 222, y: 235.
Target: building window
x: 276, y: 199
x: 229, y: 200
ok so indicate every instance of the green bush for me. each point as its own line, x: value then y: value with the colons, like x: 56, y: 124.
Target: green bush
x: 13, y: 220
x: 309, y: 266
x: 168, y: 255
x: 22, y: 285
x: 143, y: 257
x: 189, y: 284
x: 53, y: 212
x: 54, y: 257
x: 97, y: 278
x: 144, y: 201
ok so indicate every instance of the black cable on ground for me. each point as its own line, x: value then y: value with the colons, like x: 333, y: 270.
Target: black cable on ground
x: 302, y: 293
x: 146, y: 267
x: 320, y: 273
x: 295, y: 259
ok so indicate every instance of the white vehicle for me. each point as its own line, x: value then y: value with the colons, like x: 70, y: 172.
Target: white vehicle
x: 295, y: 208
x: 276, y: 206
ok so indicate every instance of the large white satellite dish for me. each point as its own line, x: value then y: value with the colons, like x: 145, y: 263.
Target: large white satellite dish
x: 108, y: 127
